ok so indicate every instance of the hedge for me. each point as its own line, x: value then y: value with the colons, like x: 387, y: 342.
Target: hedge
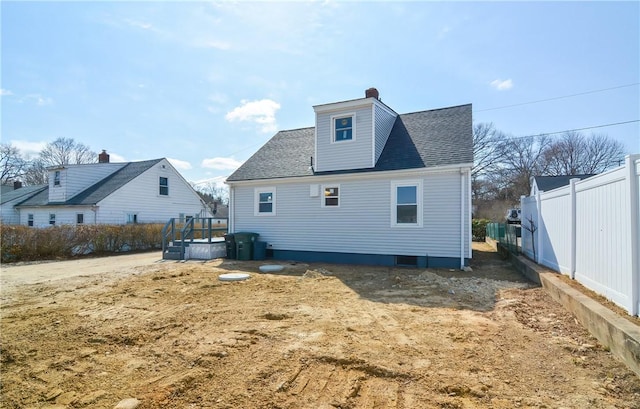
x: 22, y: 243
x: 479, y: 229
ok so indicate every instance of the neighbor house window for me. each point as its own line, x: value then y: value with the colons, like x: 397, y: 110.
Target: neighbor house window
x: 52, y: 219
x: 265, y: 201
x: 80, y: 218
x: 331, y: 197
x: 343, y: 129
x: 406, y: 197
x: 132, y: 218
x: 164, y: 186
x: 30, y: 219
x: 56, y: 178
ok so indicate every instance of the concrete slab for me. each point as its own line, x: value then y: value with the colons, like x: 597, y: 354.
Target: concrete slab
x: 621, y: 336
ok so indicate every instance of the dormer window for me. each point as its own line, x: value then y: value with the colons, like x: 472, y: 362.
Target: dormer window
x: 56, y: 178
x: 343, y: 128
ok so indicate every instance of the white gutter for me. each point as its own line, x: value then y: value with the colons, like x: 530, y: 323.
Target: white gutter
x: 462, y: 218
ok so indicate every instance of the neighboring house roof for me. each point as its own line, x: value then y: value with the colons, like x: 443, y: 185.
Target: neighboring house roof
x: 546, y: 183
x: 417, y: 140
x: 98, y: 191
x: 22, y: 193
x: 222, y: 212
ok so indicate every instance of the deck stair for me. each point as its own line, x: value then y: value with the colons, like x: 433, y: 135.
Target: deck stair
x: 179, y: 234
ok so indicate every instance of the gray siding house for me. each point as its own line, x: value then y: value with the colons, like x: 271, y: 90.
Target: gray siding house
x: 365, y: 186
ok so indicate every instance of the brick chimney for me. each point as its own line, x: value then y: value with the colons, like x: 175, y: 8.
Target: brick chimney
x: 17, y: 184
x: 103, y: 157
x: 372, y: 93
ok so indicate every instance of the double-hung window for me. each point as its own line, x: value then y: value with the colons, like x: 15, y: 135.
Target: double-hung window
x: 265, y: 201
x: 343, y: 128
x: 331, y: 196
x: 406, y: 202
x: 56, y: 178
x: 52, y: 219
x: 30, y: 219
x: 164, y: 186
x: 80, y: 218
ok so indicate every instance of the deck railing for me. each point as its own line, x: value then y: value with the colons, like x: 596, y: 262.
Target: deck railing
x: 178, y: 232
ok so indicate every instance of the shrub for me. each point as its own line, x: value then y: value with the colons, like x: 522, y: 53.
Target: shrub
x: 479, y: 229
x: 22, y: 243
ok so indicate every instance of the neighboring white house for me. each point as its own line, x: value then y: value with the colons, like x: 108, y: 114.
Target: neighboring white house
x: 9, y: 214
x: 365, y: 185
x: 149, y: 191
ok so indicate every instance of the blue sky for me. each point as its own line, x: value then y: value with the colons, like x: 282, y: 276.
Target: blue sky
x: 205, y: 84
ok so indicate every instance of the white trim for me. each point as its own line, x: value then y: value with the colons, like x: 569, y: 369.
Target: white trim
x: 418, y: 172
x: 256, y: 200
x: 353, y: 127
x: 323, y: 197
x: 341, y: 106
x: 394, y: 185
x: 373, y: 135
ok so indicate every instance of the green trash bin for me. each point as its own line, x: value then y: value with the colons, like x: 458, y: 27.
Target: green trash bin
x: 259, y: 250
x: 230, y: 242
x: 244, y: 245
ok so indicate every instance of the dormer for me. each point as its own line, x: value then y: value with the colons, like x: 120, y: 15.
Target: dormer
x: 66, y: 181
x: 351, y: 134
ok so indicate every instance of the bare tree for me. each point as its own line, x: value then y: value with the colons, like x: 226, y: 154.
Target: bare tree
x: 12, y: 165
x: 487, y: 152
x: 35, y: 173
x: 523, y: 158
x: 65, y: 151
x: 575, y: 153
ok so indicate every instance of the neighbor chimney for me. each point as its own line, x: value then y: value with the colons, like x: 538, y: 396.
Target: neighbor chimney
x: 17, y: 184
x: 103, y: 157
x: 372, y: 93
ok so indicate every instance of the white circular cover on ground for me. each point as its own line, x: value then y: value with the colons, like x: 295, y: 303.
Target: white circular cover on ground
x: 233, y: 277
x: 270, y: 268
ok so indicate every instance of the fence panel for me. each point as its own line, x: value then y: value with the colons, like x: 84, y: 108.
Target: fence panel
x: 589, y: 230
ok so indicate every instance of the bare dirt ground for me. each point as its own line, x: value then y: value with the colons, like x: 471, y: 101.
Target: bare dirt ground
x: 312, y: 336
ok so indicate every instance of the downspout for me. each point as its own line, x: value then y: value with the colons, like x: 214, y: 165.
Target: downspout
x: 461, y: 218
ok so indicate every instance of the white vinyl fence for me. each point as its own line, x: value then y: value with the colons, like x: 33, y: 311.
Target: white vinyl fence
x: 589, y: 231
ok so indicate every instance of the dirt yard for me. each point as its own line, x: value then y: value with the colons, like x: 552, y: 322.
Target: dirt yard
x: 171, y: 335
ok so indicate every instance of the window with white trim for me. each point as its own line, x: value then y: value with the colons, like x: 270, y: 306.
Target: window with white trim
x: 52, y: 219
x: 164, y: 186
x: 265, y: 201
x: 132, y: 218
x: 406, y: 203
x: 343, y: 127
x: 30, y: 219
x: 56, y: 178
x: 331, y: 196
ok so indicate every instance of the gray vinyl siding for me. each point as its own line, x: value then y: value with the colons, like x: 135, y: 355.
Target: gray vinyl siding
x: 354, y: 154
x: 362, y: 222
x: 75, y: 178
x: 384, y: 123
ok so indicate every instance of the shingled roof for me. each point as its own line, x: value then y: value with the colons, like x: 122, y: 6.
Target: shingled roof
x: 98, y: 191
x: 546, y: 183
x: 22, y: 193
x: 422, y: 139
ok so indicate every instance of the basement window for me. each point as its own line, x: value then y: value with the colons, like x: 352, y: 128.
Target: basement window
x: 407, y: 261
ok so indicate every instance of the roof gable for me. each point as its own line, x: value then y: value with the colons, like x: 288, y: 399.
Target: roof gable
x: 422, y: 139
x: 97, y: 191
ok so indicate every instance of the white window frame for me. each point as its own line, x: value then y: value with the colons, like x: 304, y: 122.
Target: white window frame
x: 324, y: 197
x: 30, y: 219
x: 417, y: 183
x: 351, y: 115
x: 52, y: 219
x: 56, y: 178
x: 160, y: 186
x: 256, y: 208
x: 133, y: 216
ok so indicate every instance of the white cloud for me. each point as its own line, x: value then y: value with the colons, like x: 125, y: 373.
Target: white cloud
x: 5, y: 92
x: 38, y: 99
x: 29, y: 149
x: 179, y: 164
x: 138, y: 24
x: 221, y: 163
x: 501, y: 85
x: 262, y: 112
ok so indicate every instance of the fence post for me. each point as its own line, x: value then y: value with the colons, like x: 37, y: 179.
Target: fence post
x: 634, y: 219
x: 572, y: 192
x: 539, y: 243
